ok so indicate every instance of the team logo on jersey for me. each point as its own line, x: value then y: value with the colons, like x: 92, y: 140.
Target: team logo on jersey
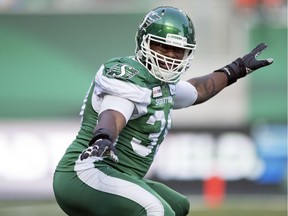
x: 157, y: 92
x: 149, y: 19
x: 172, y: 89
x: 122, y: 70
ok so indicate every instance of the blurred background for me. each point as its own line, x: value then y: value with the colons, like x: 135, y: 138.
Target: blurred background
x: 231, y: 151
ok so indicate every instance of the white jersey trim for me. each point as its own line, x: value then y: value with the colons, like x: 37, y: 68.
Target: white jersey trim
x: 102, y: 182
x: 185, y: 95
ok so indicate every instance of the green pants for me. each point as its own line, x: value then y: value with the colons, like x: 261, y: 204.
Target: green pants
x: 108, y: 192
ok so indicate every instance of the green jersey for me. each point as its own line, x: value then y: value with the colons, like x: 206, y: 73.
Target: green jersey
x: 138, y: 142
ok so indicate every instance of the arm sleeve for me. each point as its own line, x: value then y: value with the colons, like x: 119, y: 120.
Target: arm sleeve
x: 119, y: 104
x: 185, y: 96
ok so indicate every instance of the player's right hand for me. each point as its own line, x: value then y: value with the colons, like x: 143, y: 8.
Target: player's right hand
x: 100, y: 148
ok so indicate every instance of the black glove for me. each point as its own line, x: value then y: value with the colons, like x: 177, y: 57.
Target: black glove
x: 245, y: 65
x: 100, y: 146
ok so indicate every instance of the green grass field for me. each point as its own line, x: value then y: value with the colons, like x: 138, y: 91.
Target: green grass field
x: 240, y: 206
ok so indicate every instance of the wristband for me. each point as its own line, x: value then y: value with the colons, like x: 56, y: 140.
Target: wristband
x: 234, y: 71
x: 101, y: 133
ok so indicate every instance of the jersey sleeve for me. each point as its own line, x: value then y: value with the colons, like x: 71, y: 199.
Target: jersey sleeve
x: 185, y: 95
x: 119, y: 104
x: 120, y: 86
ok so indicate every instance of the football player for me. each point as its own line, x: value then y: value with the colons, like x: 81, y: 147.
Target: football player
x: 127, y: 114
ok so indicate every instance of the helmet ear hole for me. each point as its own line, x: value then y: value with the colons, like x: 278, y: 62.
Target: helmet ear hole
x: 187, y: 53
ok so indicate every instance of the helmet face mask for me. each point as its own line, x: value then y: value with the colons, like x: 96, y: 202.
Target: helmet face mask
x: 168, y: 26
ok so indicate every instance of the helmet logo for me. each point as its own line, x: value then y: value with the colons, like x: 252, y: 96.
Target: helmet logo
x: 149, y: 19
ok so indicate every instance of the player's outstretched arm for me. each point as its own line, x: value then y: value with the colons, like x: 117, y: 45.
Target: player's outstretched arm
x: 211, y: 84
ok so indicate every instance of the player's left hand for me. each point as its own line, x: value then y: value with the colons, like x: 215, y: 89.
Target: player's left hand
x: 245, y: 65
x: 252, y: 63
